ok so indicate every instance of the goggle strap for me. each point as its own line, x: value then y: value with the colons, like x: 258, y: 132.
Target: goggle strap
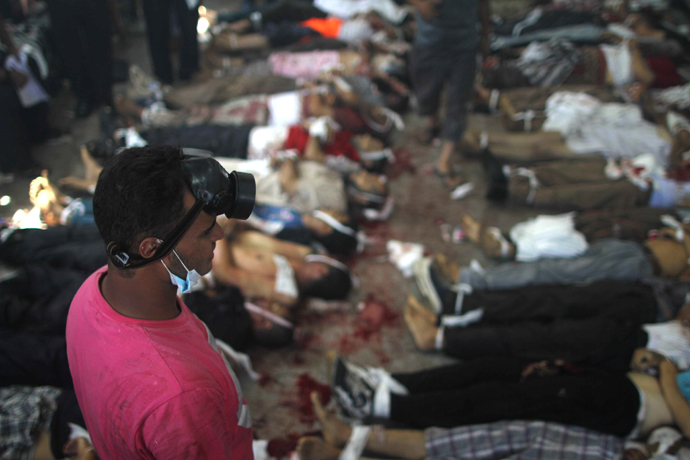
x: 121, y: 259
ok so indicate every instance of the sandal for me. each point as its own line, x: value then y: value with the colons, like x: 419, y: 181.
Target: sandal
x: 451, y: 179
x: 428, y: 135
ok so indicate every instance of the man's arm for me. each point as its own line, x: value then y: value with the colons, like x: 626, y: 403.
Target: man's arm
x: 674, y: 398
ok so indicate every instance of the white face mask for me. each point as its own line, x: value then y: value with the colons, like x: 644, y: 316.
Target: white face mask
x: 184, y: 285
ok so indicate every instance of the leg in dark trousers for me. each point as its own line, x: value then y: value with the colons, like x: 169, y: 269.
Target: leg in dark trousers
x: 429, y: 73
x: 37, y: 300
x: 64, y: 18
x: 157, y: 15
x: 603, y: 342
x: 291, y: 11
x: 189, y: 47
x: 36, y: 120
x: 277, y: 11
x: 550, y: 303
x: 78, y: 248
x: 492, y: 390
x: 14, y: 154
x: 461, y: 375
x: 36, y: 360
x: 83, y: 39
x: 95, y: 23
x: 459, y: 94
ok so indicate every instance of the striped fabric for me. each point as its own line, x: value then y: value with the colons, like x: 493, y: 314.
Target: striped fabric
x: 24, y: 413
x: 549, y: 63
x: 521, y: 440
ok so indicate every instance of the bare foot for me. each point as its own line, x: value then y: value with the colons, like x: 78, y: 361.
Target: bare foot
x: 126, y: 107
x: 226, y: 41
x: 423, y: 329
x: 487, y: 238
x: 472, y: 228
x: 76, y: 183
x: 46, y: 198
x: 241, y: 26
x: 450, y: 270
x: 471, y: 142
x: 446, y: 173
x: 335, y: 432
x: 315, y: 449
x: 218, y: 61
x: 331, y: 358
x: 91, y: 167
x: 490, y: 243
x: 483, y: 92
x: 414, y: 303
x: 91, y: 172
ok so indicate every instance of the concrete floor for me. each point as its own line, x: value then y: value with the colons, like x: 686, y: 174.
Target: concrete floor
x: 376, y: 336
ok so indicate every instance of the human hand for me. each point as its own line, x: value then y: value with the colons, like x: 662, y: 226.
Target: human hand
x: 542, y: 368
x: 634, y: 454
x: 79, y: 449
x: 646, y: 361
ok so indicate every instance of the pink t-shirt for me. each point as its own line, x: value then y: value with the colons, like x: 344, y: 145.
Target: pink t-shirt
x: 153, y: 389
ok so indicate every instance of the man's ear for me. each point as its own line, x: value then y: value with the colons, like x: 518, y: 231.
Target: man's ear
x: 148, y: 247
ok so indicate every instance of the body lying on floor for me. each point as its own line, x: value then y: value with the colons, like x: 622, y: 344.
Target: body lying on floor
x: 572, y: 341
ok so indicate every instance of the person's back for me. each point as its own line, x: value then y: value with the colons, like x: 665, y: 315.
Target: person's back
x: 149, y: 377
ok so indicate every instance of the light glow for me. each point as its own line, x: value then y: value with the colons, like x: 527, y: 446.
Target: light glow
x: 202, y: 26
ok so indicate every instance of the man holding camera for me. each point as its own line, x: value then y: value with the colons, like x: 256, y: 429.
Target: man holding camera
x: 149, y: 377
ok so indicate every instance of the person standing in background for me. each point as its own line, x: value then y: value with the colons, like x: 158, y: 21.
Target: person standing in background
x: 445, y: 55
x: 159, y: 15
x: 83, y: 37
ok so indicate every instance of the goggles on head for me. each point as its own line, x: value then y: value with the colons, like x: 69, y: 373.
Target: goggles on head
x: 216, y: 193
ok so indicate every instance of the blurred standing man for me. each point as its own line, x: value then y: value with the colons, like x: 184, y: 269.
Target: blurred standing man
x: 159, y: 15
x: 83, y: 43
x: 445, y: 54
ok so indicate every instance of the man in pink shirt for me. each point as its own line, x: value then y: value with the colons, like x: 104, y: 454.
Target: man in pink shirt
x: 150, y: 379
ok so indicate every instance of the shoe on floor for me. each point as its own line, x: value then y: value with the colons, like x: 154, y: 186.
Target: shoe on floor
x: 431, y: 284
x: 352, y: 390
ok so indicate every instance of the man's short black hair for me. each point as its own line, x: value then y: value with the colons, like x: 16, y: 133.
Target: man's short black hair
x: 338, y: 243
x: 140, y: 193
x: 335, y: 285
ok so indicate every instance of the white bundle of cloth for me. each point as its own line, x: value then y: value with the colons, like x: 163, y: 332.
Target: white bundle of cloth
x: 548, y: 237
x: 611, y: 130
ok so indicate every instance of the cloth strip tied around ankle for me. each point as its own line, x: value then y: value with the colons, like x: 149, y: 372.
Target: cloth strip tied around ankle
x: 356, y: 443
